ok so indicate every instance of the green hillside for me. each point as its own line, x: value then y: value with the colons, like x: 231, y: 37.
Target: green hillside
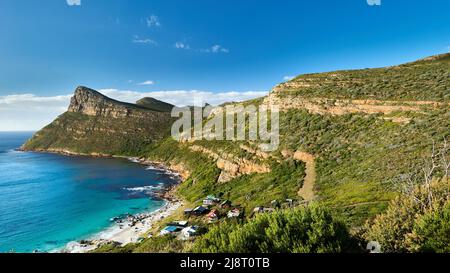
x: 154, y: 104
x: 427, y: 79
x: 96, y: 124
x: 362, y: 153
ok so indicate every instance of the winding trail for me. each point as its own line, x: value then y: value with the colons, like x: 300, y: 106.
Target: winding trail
x: 307, y: 191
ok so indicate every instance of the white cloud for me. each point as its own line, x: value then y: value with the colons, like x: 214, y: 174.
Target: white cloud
x: 288, y: 78
x: 216, y: 49
x: 73, y: 2
x: 153, y: 21
x: 147, y: 83
x: 30, y: 112
x: 181, y: 45
x: 138, y: 40
x: 184, y: 97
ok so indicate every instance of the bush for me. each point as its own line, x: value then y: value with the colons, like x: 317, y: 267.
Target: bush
x: 431, y: 233
x: 305, y: 230
x: 404, y: 224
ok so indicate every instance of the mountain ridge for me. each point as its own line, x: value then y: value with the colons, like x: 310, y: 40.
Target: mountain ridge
x: 96, y: 124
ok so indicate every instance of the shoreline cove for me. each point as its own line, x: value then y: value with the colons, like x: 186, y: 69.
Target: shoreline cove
x: 135, y: 226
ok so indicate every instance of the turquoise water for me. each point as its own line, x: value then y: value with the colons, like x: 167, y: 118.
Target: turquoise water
x: 48, y: 200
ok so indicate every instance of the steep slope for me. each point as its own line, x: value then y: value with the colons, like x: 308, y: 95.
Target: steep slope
x: 364, y: 130
x: 423, y: 80
x: 96, y: 124
x: 362, y: 147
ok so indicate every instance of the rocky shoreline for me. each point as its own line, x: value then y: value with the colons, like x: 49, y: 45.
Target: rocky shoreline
x: 132, y: 228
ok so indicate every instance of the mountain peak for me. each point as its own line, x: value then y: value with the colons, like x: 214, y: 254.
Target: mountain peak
x: 86, y: 100
x: 154, y: 104
x: 91, y: 102
x: 81, y: 91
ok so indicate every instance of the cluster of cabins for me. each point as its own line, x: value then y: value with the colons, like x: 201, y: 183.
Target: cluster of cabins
x: 274, y: 205
x: 180, y: 228
x: 212, y: 210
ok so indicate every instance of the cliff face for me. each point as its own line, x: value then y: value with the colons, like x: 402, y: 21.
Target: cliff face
x: 92, y: 103
x: 95, y: 124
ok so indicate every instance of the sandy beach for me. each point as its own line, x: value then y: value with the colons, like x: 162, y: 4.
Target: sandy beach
x: 129, y: 231
x: 134, y: 227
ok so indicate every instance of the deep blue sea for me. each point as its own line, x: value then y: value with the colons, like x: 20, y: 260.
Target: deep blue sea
x: 48, y: 200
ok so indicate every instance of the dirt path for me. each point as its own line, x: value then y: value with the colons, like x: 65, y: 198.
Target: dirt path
x: 307, y: 191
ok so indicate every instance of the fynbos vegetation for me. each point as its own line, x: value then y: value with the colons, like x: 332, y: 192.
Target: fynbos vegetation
x: 366, y: 134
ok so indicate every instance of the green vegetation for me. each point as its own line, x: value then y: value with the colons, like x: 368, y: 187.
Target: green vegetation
x: 310, y: 229
x: 423, y: 80
x: 282, y: 182
x: 361, y: 163
x: 80, y: 133
x: 154, y: 104
x: 306, y: 230
x: 358, y: 156
x: 412, y: 223
x: 160, y: 244
x: 431, y: 232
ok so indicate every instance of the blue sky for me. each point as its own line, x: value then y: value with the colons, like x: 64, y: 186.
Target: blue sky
x: 48, y: 47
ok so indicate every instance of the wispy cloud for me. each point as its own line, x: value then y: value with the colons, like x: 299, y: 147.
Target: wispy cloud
x: 31, y: 112
x: 73, y: 2
x: 216, y: 49
x: 181, y: 45
x: 146, y: 83
x: 139, y: 40
x: 153, y: 21
x: 288, y: 78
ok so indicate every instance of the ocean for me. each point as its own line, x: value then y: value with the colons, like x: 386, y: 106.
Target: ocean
x: 49, y: 200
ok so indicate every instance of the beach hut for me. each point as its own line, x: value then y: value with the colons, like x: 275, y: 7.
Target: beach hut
x: 211, y: 200
x: 179, y: 224
x: 213, y: 216
x: 234, y: 213
x: 189, y: 232
x: 225, y: 204
x: 208, y: 202
x: 258, y: 210
x: 263, y: 210
x: 188, y: 212
x: 275, y: 204
x: 200, y: 210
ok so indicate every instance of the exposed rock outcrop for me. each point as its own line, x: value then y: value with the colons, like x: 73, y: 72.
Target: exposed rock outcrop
x: 230, y: 165
x: 96, y: 124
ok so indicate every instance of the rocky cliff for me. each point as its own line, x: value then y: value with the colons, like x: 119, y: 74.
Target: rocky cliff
x: 97, y: 125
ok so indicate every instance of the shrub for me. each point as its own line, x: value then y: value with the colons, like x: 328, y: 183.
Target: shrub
x: 431, y: 233
x: 304, y: 230
x: 402, y: 227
